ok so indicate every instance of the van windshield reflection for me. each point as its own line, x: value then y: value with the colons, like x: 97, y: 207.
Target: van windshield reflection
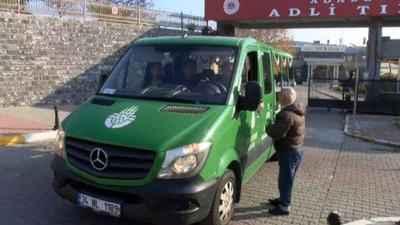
x: 179, y: 73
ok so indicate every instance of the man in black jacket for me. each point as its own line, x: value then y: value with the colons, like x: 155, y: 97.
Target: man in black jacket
x: 288, y: 134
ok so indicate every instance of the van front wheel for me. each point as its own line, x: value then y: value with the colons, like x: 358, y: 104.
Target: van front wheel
x: 224, y: 203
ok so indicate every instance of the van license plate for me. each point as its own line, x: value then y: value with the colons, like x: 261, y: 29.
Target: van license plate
x: 99, y: 205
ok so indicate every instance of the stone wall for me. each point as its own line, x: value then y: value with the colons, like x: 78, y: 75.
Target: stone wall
x: 54, y: 61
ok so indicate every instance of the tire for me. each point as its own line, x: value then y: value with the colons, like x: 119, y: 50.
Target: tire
x: 226, y: 190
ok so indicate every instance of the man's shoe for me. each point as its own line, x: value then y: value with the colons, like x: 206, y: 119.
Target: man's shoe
x: 274, y: 202
x: 277, y: 211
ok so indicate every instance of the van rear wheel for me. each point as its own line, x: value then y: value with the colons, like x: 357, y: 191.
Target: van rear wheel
x: 224, y: 202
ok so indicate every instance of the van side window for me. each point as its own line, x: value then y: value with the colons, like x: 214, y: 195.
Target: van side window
x: 250, y: 70
x: 267, y: 73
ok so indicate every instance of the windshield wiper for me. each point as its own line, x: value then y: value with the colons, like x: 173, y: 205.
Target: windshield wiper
x: 171, y: 100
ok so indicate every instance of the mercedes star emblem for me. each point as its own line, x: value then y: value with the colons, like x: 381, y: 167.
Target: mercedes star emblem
x: 99, y: 159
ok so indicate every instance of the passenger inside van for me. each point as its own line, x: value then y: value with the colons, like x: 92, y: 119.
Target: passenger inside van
x: 226, y: 74
x: 189, y: 78
x: 153, y: 75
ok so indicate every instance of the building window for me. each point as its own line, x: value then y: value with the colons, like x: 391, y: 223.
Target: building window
x: 390, y: 69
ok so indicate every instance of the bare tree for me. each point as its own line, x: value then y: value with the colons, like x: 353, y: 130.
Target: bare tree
x: 278, y: 38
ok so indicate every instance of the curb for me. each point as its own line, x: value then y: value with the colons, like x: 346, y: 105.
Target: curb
x: 366, y: 138
x: 27, y: 138
x: 375, y: 220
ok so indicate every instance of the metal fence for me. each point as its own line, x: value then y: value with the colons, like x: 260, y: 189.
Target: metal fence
x: 381, y: 96
x: 88, y: 10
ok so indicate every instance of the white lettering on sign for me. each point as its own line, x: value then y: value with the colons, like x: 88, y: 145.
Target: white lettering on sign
x: 322, y: 48
x: 332, y: 10
x: 383, y: 9
x: 294, y: 12
x: 274, y: 13
x: 315, y: 2
x: 363, y: 9
x: 313, y: 12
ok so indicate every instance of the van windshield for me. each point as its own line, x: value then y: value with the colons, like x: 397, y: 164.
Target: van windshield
x: 199, y: 74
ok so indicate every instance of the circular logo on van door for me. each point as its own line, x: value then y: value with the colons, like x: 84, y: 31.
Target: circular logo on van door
x: 122, y: 119
x: 231, y: 6
x: 99, y: 159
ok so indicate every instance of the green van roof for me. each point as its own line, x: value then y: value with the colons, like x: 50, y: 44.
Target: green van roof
x: 207, y: 40
x: 217, y: 40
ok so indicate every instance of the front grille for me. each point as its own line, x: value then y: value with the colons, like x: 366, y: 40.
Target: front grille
x: 123, y: 163
x: 183, y: 109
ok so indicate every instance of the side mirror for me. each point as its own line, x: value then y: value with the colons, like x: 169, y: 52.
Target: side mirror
x: 102, y: 78
x: 252, y: 98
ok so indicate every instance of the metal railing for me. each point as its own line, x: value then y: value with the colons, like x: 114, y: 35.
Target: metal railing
x: 89, y: 10
x: 371, y: 95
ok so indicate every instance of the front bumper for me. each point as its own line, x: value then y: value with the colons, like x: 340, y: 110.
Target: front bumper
x: 164, y: 202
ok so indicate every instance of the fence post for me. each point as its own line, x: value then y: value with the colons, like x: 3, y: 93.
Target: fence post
x: 356, y: 92
x: 19, y: 6
x: 309, y: 90
x: 56, y: 119
x: 139, y: 17
x: 85, y: 10
x: 182, y: 28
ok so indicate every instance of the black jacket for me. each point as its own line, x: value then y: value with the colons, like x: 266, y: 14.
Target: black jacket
x: 289, y: 129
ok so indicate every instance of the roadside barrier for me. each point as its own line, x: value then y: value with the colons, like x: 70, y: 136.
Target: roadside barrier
x: 27, y: 138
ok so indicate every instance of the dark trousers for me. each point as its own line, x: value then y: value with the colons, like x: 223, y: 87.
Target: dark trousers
x: 289, y: 162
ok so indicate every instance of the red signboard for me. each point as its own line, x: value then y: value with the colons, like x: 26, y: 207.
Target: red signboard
x: 299, y: 9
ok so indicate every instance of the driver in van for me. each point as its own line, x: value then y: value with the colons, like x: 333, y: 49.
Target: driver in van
x: 190, y: 79
x: 227, y: 69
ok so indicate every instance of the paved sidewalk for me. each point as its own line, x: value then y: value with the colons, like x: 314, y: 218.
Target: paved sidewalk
x: 359, y: 179
x: 377, y: 127
x: 23, y: 120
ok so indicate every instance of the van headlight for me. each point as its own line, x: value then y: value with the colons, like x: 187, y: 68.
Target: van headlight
x: 60, y: 143
x: 184, y: 162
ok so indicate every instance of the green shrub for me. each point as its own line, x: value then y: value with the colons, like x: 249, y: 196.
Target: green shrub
x: 191, y: 27
x: 338, y: 88
x: 362, y: 89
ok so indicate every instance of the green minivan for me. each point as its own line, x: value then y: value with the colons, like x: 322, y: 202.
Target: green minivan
x: 174, y: 132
